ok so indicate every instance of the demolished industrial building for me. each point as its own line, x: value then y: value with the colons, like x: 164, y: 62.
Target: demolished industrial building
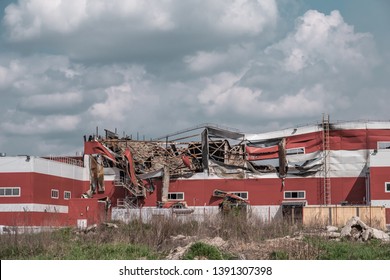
x: 207, y: 168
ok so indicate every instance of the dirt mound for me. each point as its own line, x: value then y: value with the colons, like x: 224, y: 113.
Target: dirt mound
x: 294, y: 246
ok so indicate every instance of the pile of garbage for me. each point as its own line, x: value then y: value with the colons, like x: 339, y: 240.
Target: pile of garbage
x: 356, y: 229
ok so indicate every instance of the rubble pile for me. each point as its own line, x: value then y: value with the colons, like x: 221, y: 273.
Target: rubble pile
x: 356, y: 229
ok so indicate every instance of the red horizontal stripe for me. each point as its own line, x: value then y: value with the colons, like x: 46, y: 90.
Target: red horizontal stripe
x: 350, y: 140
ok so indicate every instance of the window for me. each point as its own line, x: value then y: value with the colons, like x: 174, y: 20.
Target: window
x: 383, y: 145
x: 295, y: 151
x: 243, y: 195
x: 67, y: 195
x: 10, y: 191
x: 176, y: 196
x: 54, y: 193
x: 387, y: 187
x: 294, y: 195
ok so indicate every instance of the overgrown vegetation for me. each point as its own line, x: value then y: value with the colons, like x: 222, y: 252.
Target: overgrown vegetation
x: 349, y: 250
x: 246, y: 239
x: 200, y: 250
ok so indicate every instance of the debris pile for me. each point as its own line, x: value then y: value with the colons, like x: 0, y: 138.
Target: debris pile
x: 355, y: 229
x: 178, y: 252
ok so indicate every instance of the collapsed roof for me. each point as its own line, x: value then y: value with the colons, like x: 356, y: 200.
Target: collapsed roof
x: 212, y: 150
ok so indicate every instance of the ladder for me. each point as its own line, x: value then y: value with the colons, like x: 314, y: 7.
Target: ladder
x: 326, y: 164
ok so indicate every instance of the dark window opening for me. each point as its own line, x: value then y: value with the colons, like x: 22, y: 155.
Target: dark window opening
x: 292, y: 195
x: 175, y: 196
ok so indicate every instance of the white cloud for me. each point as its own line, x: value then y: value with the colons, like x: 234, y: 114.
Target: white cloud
x: 41, y: 125
x: 303, y: 75
x: 155, y: 67
x: 55, y: 101
x: 119, y: 100
x: 204, y: 60
x: 31, y: 18
x: 307, y: 102
x: 233, y: 57
x: 37, y: 75
x: 328, y: 39
x: 9, y: 73
x: 247, y: 16
x: 223, y: 95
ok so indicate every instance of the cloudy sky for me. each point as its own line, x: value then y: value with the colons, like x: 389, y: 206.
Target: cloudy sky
x: 155, y: 67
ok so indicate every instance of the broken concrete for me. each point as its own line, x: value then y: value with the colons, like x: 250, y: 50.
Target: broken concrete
x: 367, y: 234
x: 334, y: 234
x: 357, y: 230
x: 91, y: 228
x: 378, y: 234
x: 331, y: 228
x: 110, y: 225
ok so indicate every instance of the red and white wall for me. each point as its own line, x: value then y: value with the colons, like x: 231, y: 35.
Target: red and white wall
x: 359, y: 170
x: 40, y: 192
x: 380, y: 180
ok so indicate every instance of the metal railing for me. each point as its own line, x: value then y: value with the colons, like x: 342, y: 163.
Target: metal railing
x: 67, y: 160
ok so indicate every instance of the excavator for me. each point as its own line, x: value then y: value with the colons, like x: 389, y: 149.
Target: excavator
x: 231, y: 202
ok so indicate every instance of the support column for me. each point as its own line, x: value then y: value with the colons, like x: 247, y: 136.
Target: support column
x: 165, y: 184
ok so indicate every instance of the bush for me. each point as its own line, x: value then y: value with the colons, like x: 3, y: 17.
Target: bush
x: 200, y: 250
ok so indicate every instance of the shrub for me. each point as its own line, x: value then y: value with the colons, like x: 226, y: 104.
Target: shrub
x: 200, y: 250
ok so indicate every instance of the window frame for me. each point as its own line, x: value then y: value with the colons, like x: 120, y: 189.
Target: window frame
x: 11, y: 191
x: 241, y: 192
x: 70, y: 195
x: 55, y: 191
x: 175, y: 193
x: 387, y: 187
x: 291, y: 197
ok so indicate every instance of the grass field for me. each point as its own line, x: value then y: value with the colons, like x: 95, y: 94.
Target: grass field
x: 137, y: 240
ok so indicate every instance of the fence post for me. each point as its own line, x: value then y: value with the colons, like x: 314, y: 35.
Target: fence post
x: 370, y: 217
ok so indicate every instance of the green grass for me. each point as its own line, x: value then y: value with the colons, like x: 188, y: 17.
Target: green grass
x: 102, y: 252
x: 81, y: 252
x: 200, y: 250
x: 317, y: 248
x: 151, y: 241
x: 64, y: 244
x: 279, y: 255
x: 352, y: 250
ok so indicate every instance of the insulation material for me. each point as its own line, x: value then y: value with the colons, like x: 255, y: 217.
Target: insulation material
x: 100, y: 174
x: 282, y: 158
x: 96, y: 174
x: 226, y: 171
